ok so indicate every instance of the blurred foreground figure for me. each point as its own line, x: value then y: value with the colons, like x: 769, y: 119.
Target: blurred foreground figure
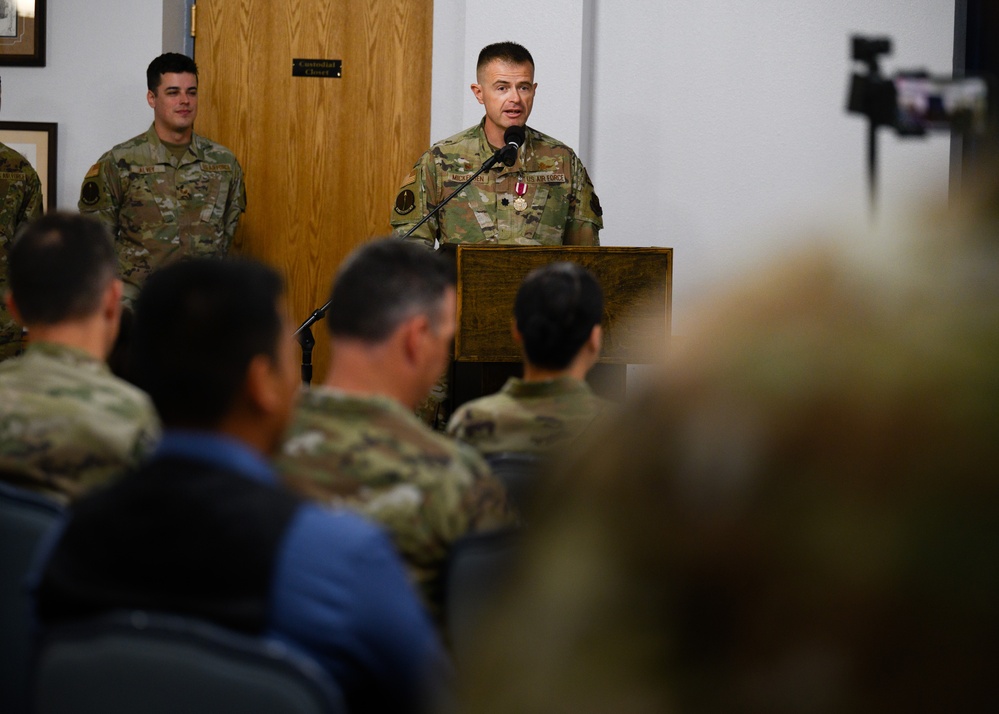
x: 802, y: 516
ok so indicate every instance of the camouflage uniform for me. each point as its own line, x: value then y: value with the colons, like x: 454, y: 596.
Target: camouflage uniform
x: 161, y: 209
x: 558, y: 193
x: 527, y: 417
x: 67, y: 424
x: 22, y: 202
x: 372, y: 455
x: 559, y: 196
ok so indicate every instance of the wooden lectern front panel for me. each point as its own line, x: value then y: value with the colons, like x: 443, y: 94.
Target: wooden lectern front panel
x: 637, y: 286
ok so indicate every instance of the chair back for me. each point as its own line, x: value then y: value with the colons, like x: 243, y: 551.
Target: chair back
x: 24, y: 519
x: 518, y: 472
x: 478, y: 567
x: 155, y: 663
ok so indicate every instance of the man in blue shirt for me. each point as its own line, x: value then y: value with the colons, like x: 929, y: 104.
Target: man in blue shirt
x: 204, y: 529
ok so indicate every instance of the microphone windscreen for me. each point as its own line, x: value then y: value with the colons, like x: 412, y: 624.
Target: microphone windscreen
x: 514, y: 135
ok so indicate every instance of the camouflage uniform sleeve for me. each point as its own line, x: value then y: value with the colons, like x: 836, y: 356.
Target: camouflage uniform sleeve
x: 33, y: 204
x: 414, y: 201
x: 100, y: 195
x: 147, y: 436
x: 456, y: 423
x: 235, y: 204
x: 459, y: 423
x: 585, y: 214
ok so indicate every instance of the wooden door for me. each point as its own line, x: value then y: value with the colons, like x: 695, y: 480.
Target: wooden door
x: 323, y: 157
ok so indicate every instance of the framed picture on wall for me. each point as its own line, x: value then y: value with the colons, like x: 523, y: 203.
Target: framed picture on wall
x: 35, y: 141
x: 22, y: 33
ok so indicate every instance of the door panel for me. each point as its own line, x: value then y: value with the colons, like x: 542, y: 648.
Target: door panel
x: 323, y: 157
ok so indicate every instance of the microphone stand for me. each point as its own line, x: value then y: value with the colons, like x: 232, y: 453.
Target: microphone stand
x: 304, y: 332
x: 486, y: 165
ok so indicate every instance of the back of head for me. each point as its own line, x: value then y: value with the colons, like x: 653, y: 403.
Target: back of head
x: 802, y: 516
x: 169, y: 62
x: 384, y: 283
x: 556, y: 309
x: 508, y: 52
x: 59, y: 268
x: 198, y: 324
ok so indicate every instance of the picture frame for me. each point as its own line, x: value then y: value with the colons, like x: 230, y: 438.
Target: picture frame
x: 37, y: 142
x: 22, y: 33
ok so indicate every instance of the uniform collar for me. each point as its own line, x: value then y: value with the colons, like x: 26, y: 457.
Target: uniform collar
x: 217, y: 449
x: 486, y: 150
x: 161, y: 155
x: 66, y: 354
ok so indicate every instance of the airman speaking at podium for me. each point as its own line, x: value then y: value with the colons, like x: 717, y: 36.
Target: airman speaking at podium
x: 544, y: 198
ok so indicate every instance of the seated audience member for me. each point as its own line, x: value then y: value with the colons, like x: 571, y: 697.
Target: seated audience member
x: 204, y: 528
x: 557, y: 316
x: 66, y: 423
x: 801, y: 516
x: 355, y: 440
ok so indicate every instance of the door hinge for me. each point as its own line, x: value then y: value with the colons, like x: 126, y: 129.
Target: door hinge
x: 194, y: 19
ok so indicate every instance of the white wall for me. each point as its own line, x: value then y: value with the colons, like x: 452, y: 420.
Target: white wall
x: 463, y: 27
x: 719, y: 125
x: 717, y: 128
x: 93, y: 84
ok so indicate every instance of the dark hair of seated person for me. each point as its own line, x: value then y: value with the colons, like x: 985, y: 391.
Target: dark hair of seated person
x: 556, y: 309
x: 383, y: 284
x: 198, y: 325
x: 59, y: 268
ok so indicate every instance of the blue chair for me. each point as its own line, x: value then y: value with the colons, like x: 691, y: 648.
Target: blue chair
x: 156, y: 663
x: 24, y: 519
x: 478, y: 567
x: 519, y: 473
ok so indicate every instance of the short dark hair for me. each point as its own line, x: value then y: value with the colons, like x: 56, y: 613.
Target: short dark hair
x: 556, y: 309
x: 168, y: 62
x: 198, y: 324
x: 509, y: 52
x: 382, y: 284
x: 59, y: 267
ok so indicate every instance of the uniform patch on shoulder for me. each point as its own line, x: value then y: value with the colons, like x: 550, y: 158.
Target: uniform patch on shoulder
x: 405, y: 202
x: 90, y: 194
x: 94, y: 170
x: 225, y: 168
x: 595, y: 205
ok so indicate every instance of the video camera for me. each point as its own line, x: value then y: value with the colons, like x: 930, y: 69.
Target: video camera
x: 913, y: 102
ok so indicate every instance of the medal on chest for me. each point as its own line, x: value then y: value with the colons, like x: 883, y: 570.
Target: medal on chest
x: 520, y: 203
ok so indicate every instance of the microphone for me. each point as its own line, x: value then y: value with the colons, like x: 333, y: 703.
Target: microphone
x: 513, y: 138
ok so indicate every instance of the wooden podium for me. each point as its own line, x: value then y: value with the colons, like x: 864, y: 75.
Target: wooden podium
x: 637, y: 285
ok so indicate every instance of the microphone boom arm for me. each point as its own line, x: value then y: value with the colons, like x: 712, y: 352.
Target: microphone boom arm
x: 304, y: 334
x: 486, y: 165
